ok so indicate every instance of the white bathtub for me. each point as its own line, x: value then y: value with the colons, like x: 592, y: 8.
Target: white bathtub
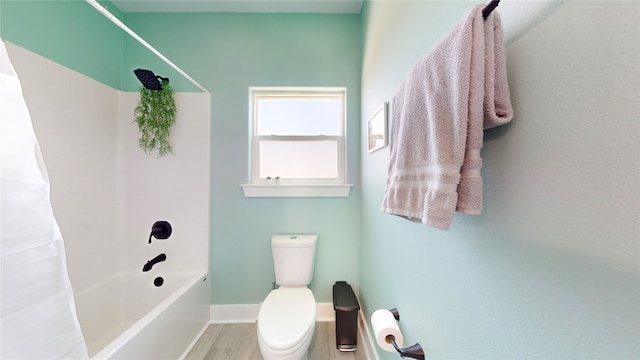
x: 128, y: 317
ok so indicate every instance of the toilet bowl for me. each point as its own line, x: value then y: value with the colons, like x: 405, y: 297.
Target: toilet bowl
x: 286, y: 323
x: 287, y: 317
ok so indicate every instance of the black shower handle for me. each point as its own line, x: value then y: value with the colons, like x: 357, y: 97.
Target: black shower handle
x: 160, y: 230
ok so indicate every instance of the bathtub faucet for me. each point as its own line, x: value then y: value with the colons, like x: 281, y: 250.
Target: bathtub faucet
x: 155, y: 260
x: 160, y: 230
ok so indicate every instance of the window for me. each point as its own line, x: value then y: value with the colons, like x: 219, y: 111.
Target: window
x: 297, y: 139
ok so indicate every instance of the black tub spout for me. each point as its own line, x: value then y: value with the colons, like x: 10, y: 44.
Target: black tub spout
x: 155, y: 260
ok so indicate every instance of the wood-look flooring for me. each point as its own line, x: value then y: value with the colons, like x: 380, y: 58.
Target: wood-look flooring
x: 240, y: 342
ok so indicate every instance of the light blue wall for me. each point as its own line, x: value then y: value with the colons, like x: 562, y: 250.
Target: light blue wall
x: 71, y: 33
x: 550, y: 270
x: 228, y: 53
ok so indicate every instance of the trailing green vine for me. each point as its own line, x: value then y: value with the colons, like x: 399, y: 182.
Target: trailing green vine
x: 155, y: 114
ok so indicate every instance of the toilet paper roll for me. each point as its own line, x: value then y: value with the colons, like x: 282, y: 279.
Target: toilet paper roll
x: 384, y: 324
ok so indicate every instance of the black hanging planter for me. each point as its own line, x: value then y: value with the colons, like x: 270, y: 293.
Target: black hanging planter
x: 155, y: 113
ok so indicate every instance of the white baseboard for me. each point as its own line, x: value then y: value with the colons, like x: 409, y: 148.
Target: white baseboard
x: 325, y: 312
x: 234, y: 314
x: 248, y: 313
x: 365, y: 338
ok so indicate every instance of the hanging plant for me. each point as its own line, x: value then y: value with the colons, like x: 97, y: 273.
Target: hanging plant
x: 155, y: 114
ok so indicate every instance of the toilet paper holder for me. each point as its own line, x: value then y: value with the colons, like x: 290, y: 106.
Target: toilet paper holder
x: 415, y: 351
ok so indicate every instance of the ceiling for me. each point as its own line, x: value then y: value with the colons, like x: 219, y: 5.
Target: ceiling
x: 269, y: 6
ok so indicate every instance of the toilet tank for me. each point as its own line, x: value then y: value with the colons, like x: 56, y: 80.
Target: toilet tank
x: 294, y: 258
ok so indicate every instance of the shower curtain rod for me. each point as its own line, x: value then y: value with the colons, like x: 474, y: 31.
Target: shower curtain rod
x: 124, y: 27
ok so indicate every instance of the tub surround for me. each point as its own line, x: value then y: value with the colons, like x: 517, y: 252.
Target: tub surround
x: 125, y: 314
x: 101, y: 170
x: 78, y: 131
x: 99, y: 176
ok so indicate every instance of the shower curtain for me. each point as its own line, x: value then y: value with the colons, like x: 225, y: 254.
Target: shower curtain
x: 37, y: 312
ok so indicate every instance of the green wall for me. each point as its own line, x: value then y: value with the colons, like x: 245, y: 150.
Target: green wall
x: 551, y: 268
x: 228, y: 53
x: 71, y: 33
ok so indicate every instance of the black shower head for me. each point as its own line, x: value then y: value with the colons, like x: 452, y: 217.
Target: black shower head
x: 149, y: 79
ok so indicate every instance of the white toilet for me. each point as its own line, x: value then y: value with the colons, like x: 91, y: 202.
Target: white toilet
x: 287, y: 317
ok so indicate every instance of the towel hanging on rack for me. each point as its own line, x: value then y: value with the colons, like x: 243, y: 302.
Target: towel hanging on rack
x: 438, y: 116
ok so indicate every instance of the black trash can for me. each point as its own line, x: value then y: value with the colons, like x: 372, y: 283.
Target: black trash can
x: 346, y: 307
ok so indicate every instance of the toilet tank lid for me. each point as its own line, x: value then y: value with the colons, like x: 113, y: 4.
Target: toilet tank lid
x: 293, y: 240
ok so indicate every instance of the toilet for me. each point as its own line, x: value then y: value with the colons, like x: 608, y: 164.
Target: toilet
x: 287, y: 317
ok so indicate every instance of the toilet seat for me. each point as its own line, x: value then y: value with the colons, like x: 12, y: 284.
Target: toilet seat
x: 286, y: 320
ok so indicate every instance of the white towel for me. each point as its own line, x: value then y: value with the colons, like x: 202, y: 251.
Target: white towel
x: 437, y: 124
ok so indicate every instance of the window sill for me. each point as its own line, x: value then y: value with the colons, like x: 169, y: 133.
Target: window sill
x: 251, y: 190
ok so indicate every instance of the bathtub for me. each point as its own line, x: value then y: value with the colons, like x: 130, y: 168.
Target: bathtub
x: 127, y: 317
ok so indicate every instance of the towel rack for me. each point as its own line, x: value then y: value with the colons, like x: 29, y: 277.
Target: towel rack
x: 489, y: 8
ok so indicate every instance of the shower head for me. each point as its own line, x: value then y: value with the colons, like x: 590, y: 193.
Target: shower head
x: 149, y: 79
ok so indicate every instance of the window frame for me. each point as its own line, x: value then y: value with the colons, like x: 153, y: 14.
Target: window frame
x: 259, y: 187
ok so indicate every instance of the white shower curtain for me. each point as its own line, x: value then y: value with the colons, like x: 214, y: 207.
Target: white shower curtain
x: 38, y: 317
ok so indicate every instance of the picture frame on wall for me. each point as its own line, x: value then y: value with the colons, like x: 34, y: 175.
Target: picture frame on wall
x: 377, y: 129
